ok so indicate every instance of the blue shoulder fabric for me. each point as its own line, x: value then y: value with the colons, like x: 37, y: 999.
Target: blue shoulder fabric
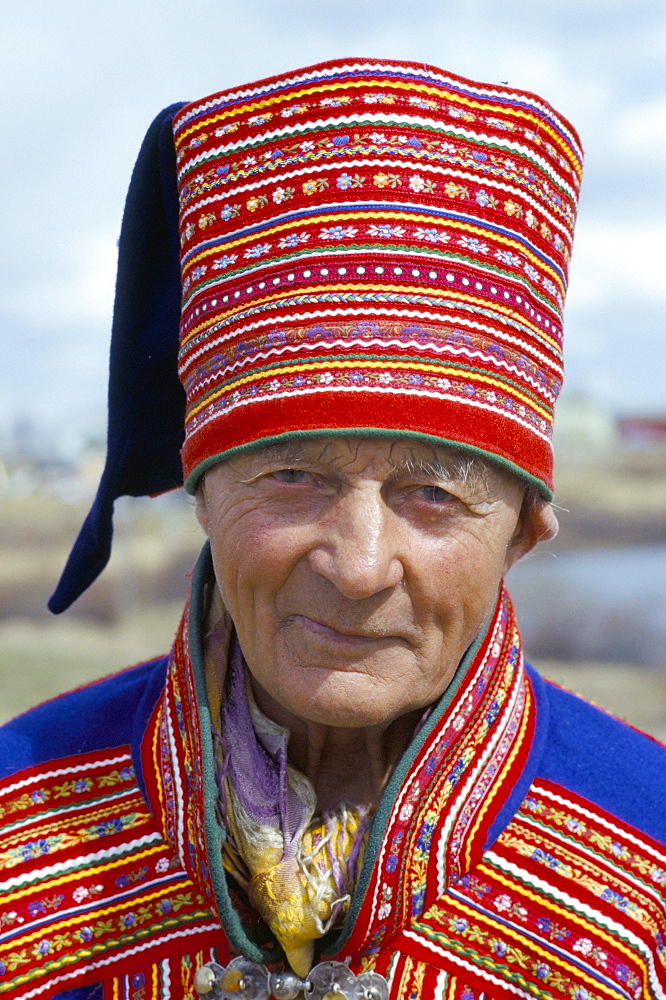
x: 146, y: 399
x: 93, y: 992
x: 603, y: 760
x: 109, y: 713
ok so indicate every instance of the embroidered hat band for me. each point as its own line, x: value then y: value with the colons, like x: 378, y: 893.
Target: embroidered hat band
x: 374, y: 247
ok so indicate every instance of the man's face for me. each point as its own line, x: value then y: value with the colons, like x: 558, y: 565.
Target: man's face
x: 357, y: 571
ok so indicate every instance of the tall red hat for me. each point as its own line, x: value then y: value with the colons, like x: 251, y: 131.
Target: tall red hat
x: 374, y: 247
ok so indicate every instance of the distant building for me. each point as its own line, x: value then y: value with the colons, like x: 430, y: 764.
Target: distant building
x: 642, y: 432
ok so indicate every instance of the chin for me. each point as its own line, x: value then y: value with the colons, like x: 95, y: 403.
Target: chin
x: 335, y: 705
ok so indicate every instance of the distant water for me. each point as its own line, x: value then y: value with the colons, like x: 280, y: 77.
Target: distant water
x: 595, y: 604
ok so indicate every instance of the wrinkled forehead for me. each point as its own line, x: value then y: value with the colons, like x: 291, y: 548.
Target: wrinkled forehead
x: 381, y: 455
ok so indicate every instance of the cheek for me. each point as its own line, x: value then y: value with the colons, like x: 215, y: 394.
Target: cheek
x: 252, y: 561
x: 462, y: 582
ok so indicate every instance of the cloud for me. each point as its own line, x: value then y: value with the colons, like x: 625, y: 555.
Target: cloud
x: 77, y: 289
x: 640, y: 131
x: 618, y: 261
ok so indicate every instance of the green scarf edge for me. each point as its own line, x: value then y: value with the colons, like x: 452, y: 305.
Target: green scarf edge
x: 214, y: 834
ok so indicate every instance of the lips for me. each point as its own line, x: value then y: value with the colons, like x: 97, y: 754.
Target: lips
x: 344, y: 634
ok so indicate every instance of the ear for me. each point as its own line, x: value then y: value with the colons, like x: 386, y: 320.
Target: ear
x: 201, y: 506
x: 536, y: 523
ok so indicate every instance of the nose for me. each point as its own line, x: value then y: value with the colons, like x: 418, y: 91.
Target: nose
x: 358, y: 548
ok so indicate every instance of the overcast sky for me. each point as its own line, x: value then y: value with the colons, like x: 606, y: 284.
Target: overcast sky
x: 82, y: 79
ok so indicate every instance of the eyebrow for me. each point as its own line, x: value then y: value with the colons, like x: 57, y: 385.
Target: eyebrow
x: 282, y: 451
x: 287, y: 452
x: 456, y: 467
x: 459, y: 468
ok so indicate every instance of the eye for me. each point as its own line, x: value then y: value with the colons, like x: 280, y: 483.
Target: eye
x: 435, y: 494
x: 290, y: 476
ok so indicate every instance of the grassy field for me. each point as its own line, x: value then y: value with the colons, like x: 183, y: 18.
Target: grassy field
x: 39, y: 660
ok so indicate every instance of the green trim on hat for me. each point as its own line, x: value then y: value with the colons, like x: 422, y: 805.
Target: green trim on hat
x: 192, y: 481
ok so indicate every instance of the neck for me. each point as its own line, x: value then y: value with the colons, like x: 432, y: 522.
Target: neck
x: 343, y: 765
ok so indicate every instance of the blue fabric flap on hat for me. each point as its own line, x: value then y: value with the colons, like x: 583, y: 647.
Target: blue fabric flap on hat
x: 146, y: 400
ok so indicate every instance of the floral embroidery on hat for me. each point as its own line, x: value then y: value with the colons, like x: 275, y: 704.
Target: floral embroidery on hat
x: 295, y: 109
x: 431, y: 235
x: 485, y: 199
x: 221, y: 263
x: 509, y: 258
x: 338, y: 232
x: 378, y: 99
x: 421, y: 102
x: 382, y: 180
x: 258, y: 250
x: 256, y: 202
x: 229, y: 212
x: 474, y: 244
x: 335, y: 102
x: 417, y: 183
x: 386, y: 231
x: 455, y: 190
x: 225, y: 129
x: 293, y: 240
x: 315, y: 185
x: 345, y: 181
x: 281, y: 194
x: 260, y: 119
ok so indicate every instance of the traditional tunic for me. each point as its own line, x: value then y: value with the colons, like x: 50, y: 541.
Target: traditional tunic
x: 517, y: 851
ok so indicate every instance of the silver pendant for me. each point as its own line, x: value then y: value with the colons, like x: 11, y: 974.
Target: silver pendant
x: 245, y: 980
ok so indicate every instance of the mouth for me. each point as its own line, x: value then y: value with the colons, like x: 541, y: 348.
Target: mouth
x: 342, y: 635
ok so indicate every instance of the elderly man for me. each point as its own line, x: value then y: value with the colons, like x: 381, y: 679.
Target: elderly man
x: 343, y: 782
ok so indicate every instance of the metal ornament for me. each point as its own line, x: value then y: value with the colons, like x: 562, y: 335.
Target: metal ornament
x: 286, y: 985
x: 245, y: 980
x: 330, y: 981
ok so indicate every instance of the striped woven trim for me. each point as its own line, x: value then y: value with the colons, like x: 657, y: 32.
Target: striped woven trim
x: 87, y: 882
